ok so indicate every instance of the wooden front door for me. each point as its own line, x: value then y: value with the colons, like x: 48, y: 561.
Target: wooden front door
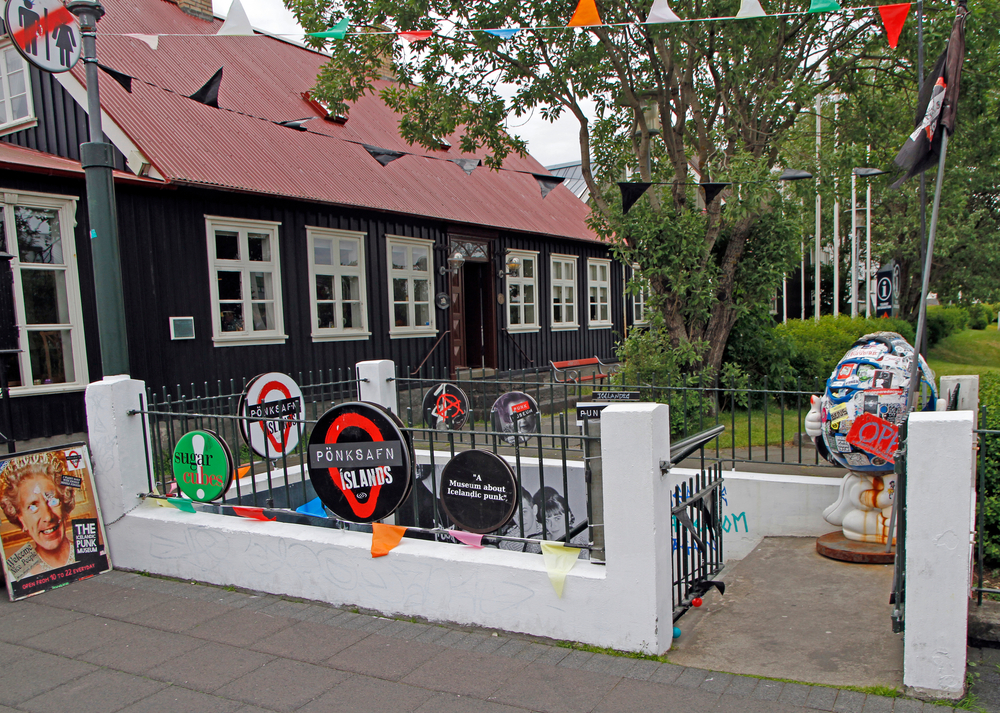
x: 473, y: 312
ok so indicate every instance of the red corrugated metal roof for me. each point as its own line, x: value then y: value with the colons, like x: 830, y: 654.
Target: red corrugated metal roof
x: 191, y: 143
x: 18, y: 158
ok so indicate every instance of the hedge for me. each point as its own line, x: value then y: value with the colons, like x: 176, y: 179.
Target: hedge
x: 989, y: 462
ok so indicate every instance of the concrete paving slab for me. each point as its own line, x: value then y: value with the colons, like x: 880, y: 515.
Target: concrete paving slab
x: 35, y: 673
x: 240, y: 627
x: 849, y: 702
x: 383, y: 657
x: 309, y: 642
x: 465, y: 672
x: 556, y: 689
x: 181, y: 700
x: 210, y: 667
x: 25, y: 619
x: 450, y: 703
x: 630, y: 696
x: 364, y: 694
x: 790, y: 613
x: 282, y: 685
x: 102, y: 691
x: 141, y: 649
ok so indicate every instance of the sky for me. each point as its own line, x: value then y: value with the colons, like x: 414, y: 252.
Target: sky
x: 549, y: 143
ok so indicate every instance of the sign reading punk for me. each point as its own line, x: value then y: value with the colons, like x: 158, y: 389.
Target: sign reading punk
x: 478, y: 491
x: 446, y: 407
x: 45, y: 33
x: 203, y: 466
x: 360, y: 462
x: 273, y: 403
x: 516, y: 413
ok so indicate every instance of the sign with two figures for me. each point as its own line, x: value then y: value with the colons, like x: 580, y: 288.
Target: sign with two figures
x: 45, y: 33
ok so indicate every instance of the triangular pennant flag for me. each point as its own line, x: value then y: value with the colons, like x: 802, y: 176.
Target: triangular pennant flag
x: 314, y: 507
x: 253, y: 513
x: 296, y: 123
x: 123, y: 79
x: 209, y: 93
x: 894, y: 17
x: 415, y: 35
x: 661, y: 12
x: 559, y: 560
x: 468, y: 538
x: 505, y: 34
x: 750, y: 8
x: 585, y: 15
x: 547, y: 183
x: 794, y: 174
x: 336, y: 32
x: 467, y: 164
x: 243, y: 471
x: 152, y: 40
x: 712, y: 190
x: 631, y: 192
x: 824, y: 6
x: 383, y: 156
x: 181, y: 504
x: 385, y: 538
x: 237, y: 22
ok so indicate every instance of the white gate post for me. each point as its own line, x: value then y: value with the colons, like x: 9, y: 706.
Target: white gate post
x: 635, y: 437
x: 118, y: 450
x: 939, y: 488
x: 377, y: 382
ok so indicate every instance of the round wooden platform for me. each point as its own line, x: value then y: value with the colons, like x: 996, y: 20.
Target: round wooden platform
x: 835, y: 546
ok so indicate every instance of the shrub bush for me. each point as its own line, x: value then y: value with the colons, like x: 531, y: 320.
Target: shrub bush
x: 989, y: 417
x: 943, y: 321
x: 760, y: 350
x: 980, y: 315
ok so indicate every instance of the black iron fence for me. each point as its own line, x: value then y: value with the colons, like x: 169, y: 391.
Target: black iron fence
x: 987, y: 535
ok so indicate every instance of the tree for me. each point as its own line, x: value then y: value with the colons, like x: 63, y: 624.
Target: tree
x: 715, y: 97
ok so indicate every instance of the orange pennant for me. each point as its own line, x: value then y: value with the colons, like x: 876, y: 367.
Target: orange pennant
x: 894, y: 17
x: 585, y: 15
x: 253, y: 513
x: 242, y: 472
x: 385, y: 538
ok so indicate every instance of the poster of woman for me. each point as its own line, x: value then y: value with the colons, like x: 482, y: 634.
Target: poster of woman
x: 51, y: 530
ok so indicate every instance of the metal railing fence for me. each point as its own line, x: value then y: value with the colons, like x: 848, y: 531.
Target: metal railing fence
x: 988, y: 478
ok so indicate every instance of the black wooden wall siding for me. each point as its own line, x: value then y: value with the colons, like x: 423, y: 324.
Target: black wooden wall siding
x: 62, y: 123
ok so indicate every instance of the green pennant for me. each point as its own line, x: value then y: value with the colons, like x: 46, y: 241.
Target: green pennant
x: 824, y: 6
x: 181, y: 504
x: 336, y: 32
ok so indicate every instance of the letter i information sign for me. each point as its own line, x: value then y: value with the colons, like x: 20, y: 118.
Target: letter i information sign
x: 45, y: 33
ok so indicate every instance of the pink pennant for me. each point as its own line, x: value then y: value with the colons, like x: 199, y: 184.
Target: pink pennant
x: 468, y: 538
x: 894, y: 17
x: 415, y: 35
x: 253, y: 513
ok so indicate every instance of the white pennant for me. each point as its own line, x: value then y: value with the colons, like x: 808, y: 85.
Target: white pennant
x: 661, y: 12
x: 750, y: 8
x: 152, y: 40
x: 237, y: 22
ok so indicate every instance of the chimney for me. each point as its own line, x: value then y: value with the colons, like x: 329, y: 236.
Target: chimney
x: 202, y: 9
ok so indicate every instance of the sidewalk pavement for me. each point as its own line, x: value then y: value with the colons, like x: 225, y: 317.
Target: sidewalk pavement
x: 126, y: 642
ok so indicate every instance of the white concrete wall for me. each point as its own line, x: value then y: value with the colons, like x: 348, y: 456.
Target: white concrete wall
x: 939, y: 486
x: 625, y: 604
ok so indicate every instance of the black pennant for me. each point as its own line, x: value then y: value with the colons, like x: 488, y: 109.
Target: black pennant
x: 467, y: 164
x: 383, y: 156
x: 631, y: 192
x: 296, y: 123
x: 120, y: 77
x: 547, y: 183
x: 209, y: 93
x: 712, y: 190
x: 794, y: 174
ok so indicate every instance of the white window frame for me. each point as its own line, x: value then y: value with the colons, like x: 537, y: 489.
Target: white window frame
x: 409, y: 274
x: 522, y: 281
x: 567, y: 262
x: 639, y: 299
x: 338, y: 333
x: 66, y: 208
x: 597, y: 283
x: 29, y: 119
x: 245, y: 266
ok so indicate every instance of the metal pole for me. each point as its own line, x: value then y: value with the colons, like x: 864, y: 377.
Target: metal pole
x: 836, y: 228
x: 868, y: 254
x: 817, y: 287
x: 97, y: 159
x: 802, y: 272
x: 784, y: 301
x: 854, y: 245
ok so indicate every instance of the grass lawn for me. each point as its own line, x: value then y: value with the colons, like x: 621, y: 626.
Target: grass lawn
x: 751, y: 430
x: 973, y: 351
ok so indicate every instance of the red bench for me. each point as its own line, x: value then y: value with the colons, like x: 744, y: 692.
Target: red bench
x: 569, y: 371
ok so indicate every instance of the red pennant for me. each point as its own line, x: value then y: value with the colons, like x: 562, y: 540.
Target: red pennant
x: 385, y: 538
x: 585, y: 15
x: 253, y: 513
x: 894, y: 17
x: 415, y: 35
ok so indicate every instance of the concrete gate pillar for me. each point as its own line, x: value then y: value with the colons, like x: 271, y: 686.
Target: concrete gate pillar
x: 377, y: 382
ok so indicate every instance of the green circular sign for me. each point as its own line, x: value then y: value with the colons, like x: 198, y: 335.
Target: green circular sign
x: 203, y: 466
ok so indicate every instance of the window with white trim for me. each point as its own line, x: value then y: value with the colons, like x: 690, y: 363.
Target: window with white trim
x: 245, y: 280
x: 599, y: 292
x: 640, y: 298
x: 338, y: 299
x: 38, y: 230
x: 15, y: 89
x: 411, y: 271
x: 563, y: 269
x: 522, y: 292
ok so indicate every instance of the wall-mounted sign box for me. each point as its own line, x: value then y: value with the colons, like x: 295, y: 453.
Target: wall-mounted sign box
x: 181, y: 328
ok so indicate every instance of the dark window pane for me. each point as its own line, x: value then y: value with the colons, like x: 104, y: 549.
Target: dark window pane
x: 13, y: 371
x: 324, y: 315
x: 230, y: 286
x: 324, y: 287
x: 38, y: 235
x: 51, y: 356
x: 259, y: 247
x: 45, y: 296
x: 231, y: 317
x: 227, y: 245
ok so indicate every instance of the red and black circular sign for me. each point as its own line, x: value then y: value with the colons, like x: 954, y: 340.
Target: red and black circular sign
x: 478, y: 491
x: 360, y: 462
x: 446, y: 407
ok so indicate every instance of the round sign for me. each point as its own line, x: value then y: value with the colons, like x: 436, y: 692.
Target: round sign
x: 446, y: 407
x: 203, y: 466
x: 45, y: 33
x: 272, y: 402
x: 442, y: 300
x: 478, y: 491
x: 884, y: 288
x: 515, y: 412
x: 360, y: 462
